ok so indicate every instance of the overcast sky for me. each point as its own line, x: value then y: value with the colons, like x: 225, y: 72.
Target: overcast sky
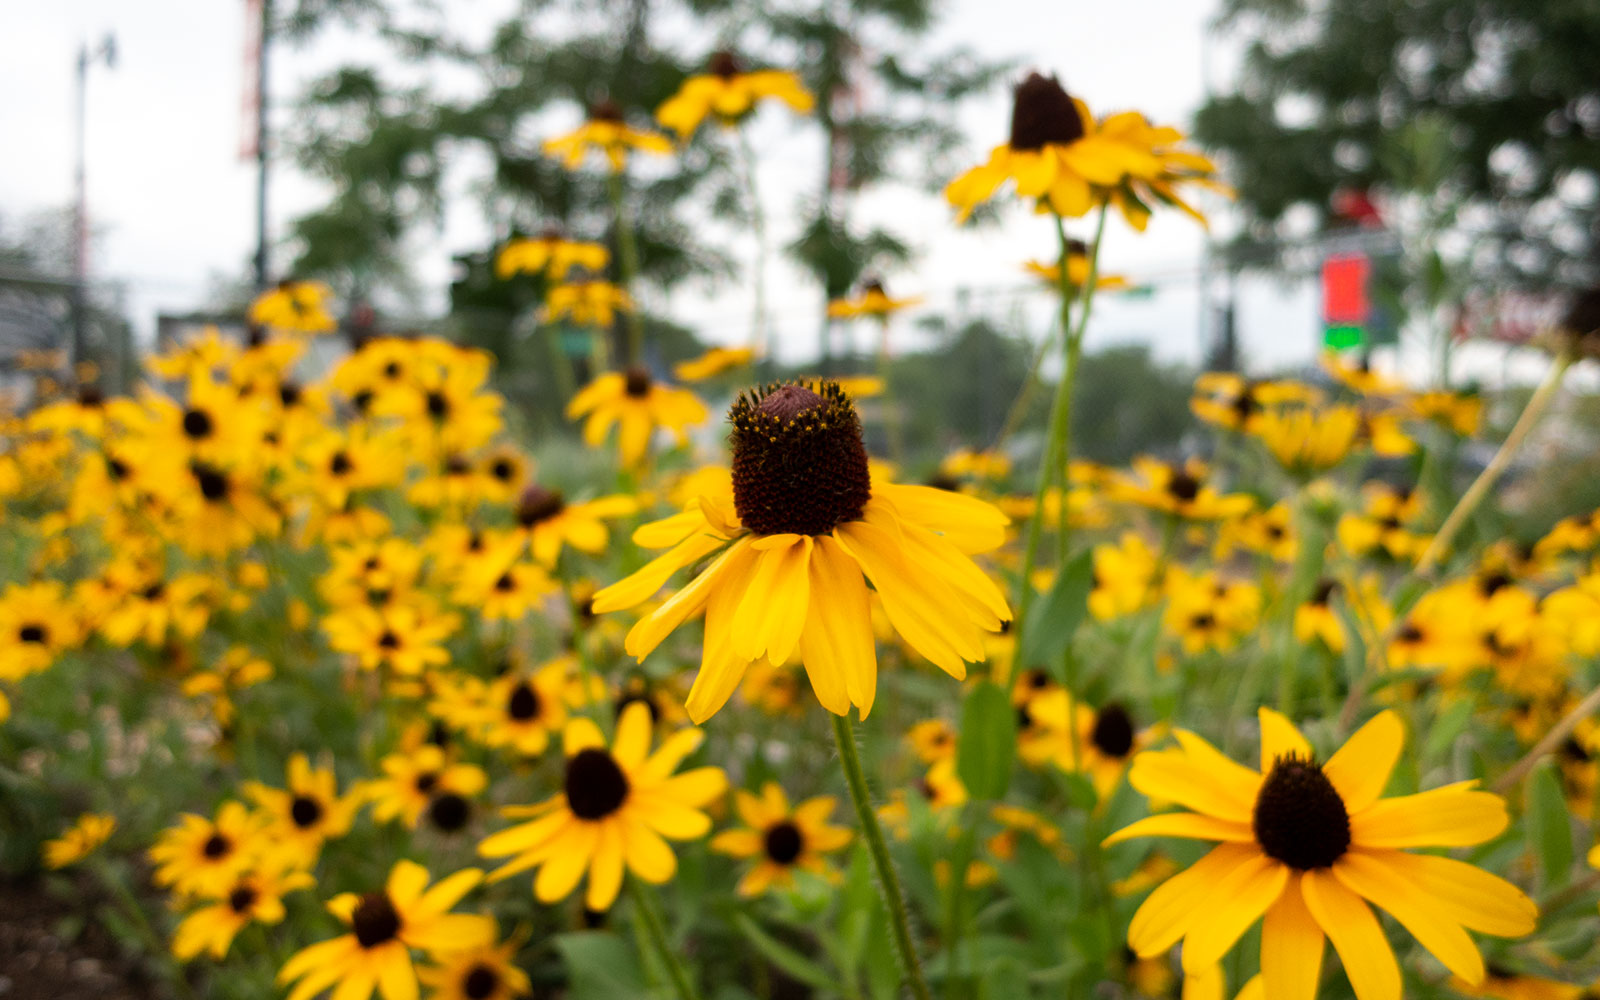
x: 173, y: 203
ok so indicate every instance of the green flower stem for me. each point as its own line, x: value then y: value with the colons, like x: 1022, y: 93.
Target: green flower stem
x: 644, y: 903
x: 955, y: 928
x: 1486, y: 479
x: 760, y: 334
x: 627, y: 264
x: 894, y: 899
x: 1052, y: 462
x: 131, y: 908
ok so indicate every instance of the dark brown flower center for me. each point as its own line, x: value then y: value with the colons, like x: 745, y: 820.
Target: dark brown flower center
x: 605, y: 110
x: 305, y: 811
x: 438, y: 405
x: 481, y: 981
x: 197, y: 424
x: 449, y: 812
x: 289, y: 394
x: 539, y: 504
x: 33, y: 633
x: 425, y: 781
x: 1299, y: 817
x: 505, y: 584
x: 799, y: 464
x: 340, y: 463
x: 216, y: 846
x: 1183, y: 486
x: 503, y: 470
x: 636, y: 382
x: 1324, y: 592
x: 1043, y: 114
x: 595, y: 785
x: 213, y: 483
x: 523, y: 703
x: 242, y: 898
x: 1113, y: 731
x: 375, y: 920
x: 388, y: 640
x: 724, y: 64
x: 783, y: 842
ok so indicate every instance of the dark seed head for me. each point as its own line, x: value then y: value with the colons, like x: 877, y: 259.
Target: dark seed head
x: 340, y: 463
x: 438, y: 405
x: 216, y: 846
x: 1043, y: 115
x: 242, y: 898
x: 197, y: 424
x: 213, y: 483
x: 636, y: 382
x: 305, y: 811
x: 117, y: 469
x: 90, y: 396
x: 505, y: 584
x: 605, y: 110
x: 32, y: 633
x: 426, y: 781
x: 1113, y: 731
x: 1324, y: 592
x: 1409, y: 633
x: 375, y: 920
x: 724, y: 64
x: 388, y: 640
x: 639, y: 694
x: 1493, y: 583
x: 595, y: 785
x: 1183, y: 486
x: 799, y: 464
x: 289, y: 394
x: 481, y: 982
x: 1203, y: 620
x: 362, y: 400
x: 1299, y: 817
x: 503, y: 470
x: 783, y: 842
x: 523, y: 703
x: 449, y: 812
x: 1583, y: 315
x: 538, y: 504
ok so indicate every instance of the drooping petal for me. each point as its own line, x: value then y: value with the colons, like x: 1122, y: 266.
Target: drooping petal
x: 1471, y: 897
x: 772, y: 612
x: 837, y: 646
x: 1168, y: 912
x: 1291, y: 947
x: 1429, y: 923
x: 1355, y: 934
x: 1239, y: 901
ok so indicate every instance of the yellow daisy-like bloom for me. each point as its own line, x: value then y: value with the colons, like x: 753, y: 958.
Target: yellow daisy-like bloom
x: 406, y: 638
x: 295, y: 306
x: 1316, y: 619
x: 1306, y: 844
x: 808, y: 527
x: 1055, y: 155
x: 551, y: 255
x: 1178, y: 490
x: 859, y: 386
x: 1107, y: 738
x: 614, y: 808
x: 256, y: 897
x: 712, y: 363
x: 521, y: 711
x: 1077, y: 271
x: 1307, y: 441
x: 786, y: 840
x: 203, y: 857
x: 1503, y: 984
x: 551, y: 522
x: 1230, y: 400
x: 486, y: 972
x: 1459, y: 411
x: 608, y: 133
x: 384, y: 927
x: 79, y: 840
x: 637, y: 404
x: 37, y: 624
x: 873, y: 301
x: 1124, y: 577
x: 964, y: 463
x: 1175, y: 168
x: 587, y: 303
x: 414, y: 780
x: 932, y: 740
x: 305, y: 814
x: 729, y: 93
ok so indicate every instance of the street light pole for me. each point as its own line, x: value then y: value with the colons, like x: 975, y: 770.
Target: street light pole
x: 80, y: 207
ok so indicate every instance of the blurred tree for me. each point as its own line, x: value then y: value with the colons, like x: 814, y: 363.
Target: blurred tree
x: 1128, y: 404
x: 1491, y: 106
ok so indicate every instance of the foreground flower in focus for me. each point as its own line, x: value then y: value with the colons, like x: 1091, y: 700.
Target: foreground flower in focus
x: 730, y: 93
x: 614, y: 808
x: 808, y: 528
x: 637, y: 404
x: 1304, y: 843
x: 384, y: 927
x: 784, y: 839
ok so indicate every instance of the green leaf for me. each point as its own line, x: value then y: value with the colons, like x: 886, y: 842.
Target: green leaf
x: 784, y: 957
x: 601, y: 966
x: 988, y: 745
x: 1447, y: 728
x: 1549, y: 825
x: 1047, y: 634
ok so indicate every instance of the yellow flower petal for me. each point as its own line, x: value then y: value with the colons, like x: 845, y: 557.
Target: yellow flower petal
x: 1355, y: 934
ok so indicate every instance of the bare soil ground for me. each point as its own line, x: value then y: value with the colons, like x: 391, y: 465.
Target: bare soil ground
x: 48, y: 952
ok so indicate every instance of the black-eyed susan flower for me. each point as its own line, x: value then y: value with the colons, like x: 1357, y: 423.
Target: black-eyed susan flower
x: 1305, y: 440
x: 384, y: 928
x: 1316, y: 619
x: 637, y: 405
x: 295, y: 307
x: 404, y: 637
x: 37, y: 624
x: 1206, y: 612
x: 932, y: 740
x: 606, y: 132
x: 256, y: 896
x: 1055, y: 155
x: 1077, y: 271
x: 615, y: 807
x: 1386, y: 522
x: 486, y: 972
x: 1124, y: 577
x: 79, y: 840
x: 413, y: 780
x: 715, y: 361
x: 587, y: 303
x: 1306, y: 843
x: 1178, y: 490
x: 1175, y: 169
x: 808, y: 527
x: 729, y: 92
x: 781, y: 839
x: 551, y: 522
x: 504, y: 590
x: 873, y: 301
x: 550, y: 254
x: 306, y: 813
x: 521, y: 711
x: 203, y: 856
x: 1077, y: 737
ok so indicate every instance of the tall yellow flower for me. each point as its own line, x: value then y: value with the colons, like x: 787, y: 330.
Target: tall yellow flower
x: 607, y: 132
x: 79, y: 840
x: 809, y: 527
x: 1306, y: 844
x: 295, y: 307
x: 638, y: 405
x: 550, y: 254
x: 730, y: 93
x: 615, y: 806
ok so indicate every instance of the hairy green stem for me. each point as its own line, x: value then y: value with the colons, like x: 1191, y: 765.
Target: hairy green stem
x: 894, y: 899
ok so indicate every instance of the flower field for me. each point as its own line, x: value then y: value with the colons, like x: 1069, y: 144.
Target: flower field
x: 323, y: 679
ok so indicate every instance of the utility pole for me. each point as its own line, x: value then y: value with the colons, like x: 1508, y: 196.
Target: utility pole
x: 263, y: 42
x: 80, y: 209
